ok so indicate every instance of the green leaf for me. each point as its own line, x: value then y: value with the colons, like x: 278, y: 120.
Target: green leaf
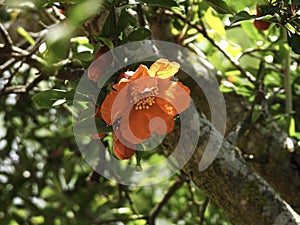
x: 58, y: 43
x: 267, y: 10
x: 160, y: 3
x: 87, y: 126
x: 79, y: 13
x: 107, y: 42
x: 84, y: 56
x: 215, y: 23
x: 220, y: 6
x: 125, y: 20
x: 292, y: 130
x: 139, y: 34
x: 294, y: 41
x: 109, y: 26
x: 46, y: 99
x: 240, y: 16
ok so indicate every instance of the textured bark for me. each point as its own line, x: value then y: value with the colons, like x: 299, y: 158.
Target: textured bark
x: 245, y: 196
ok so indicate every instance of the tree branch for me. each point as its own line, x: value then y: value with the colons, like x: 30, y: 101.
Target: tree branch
x: 6, y: 37
x: 232, y: 184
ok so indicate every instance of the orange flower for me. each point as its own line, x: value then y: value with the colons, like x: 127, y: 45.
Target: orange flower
x: 143, y: 100
x: 122, y: 148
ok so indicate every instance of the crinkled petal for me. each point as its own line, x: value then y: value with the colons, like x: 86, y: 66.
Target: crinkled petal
x: 122, y: 149
x: 175, y: 95
x: 163, y: 69
x: 142, y: 71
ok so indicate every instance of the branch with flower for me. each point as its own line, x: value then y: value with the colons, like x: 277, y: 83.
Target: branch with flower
x: 142, y: 103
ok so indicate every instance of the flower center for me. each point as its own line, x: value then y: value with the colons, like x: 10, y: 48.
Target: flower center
x: 143, y: 99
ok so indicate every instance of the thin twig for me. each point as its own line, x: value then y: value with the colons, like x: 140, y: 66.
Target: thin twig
x: 12, y: 74
x: 156, y: 210
x: 7, y: 39
x: 201, y: 29
x: 202, y: 213
x: 22, y: 89
x: 130, y: 202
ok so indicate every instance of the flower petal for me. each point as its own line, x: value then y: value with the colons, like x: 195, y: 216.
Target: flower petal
x: 113, y: 105
x: 163, y: 69
x: 144, y: 84
x: 135, y: 126
x: 175, y: 95
x: 167, y: 107
x: 159, y: 121
x: 142, y: 71
x: 122, y: 149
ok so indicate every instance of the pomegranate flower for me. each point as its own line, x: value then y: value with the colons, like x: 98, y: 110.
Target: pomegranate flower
x: 142, y: 103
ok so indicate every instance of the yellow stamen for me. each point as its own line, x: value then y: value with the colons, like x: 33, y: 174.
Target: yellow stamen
x: 143, y: 100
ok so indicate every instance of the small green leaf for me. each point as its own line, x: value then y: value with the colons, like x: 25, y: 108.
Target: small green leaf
x: 240, y: 16
x: 215, y: 23
x: 107, y: 42
x: 292, y: 130
x: 160, y: 3
x: 294, y: 41
x: 139, y: 155
x: 125, y: 20
x: 220, y: 6
x: 46, y: 99
x: 139, y: 34
x: 109, y: 26
x: 58, y: 43
x: 84, y: 56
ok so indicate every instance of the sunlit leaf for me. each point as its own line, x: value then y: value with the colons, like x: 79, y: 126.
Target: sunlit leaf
x: 46, y: 99
x: 220, y: 6
x: 215, y: 23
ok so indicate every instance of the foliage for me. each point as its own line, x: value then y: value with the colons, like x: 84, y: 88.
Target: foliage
x: 44, y: 179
